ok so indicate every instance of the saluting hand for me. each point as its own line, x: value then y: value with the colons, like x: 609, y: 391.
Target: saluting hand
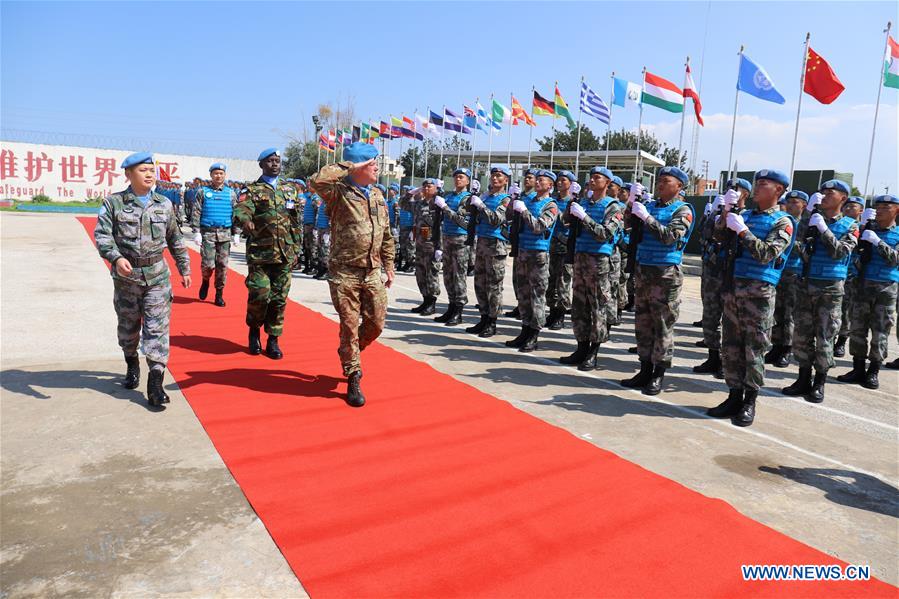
x: 360, y: 165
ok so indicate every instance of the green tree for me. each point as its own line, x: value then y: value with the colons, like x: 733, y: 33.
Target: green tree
x: 452, y: 146
x: 301, y: 158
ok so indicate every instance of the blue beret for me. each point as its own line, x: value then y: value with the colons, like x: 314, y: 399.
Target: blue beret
x: 675, y: 172
x: 267, y: 152
x: 602, y: 171
x: 797, y: 194
x: 617, y: 181
x: 381, y: 187
x: 836, y: 184
x: 406, y: 187
x: 301, y: 182
x: 773, y: 175
x: 532, y: 171
x: 138, y: 158
x: 218, y: 166
x: 501, y: 169
x: 430, y: 181
x: 627, y: 185
x: 548, y: 174
x: 568, y: 175
x: 886, y: 199
x: 394, y: 186
x: 359, y: 152
x: 462, y: 171
x: 782, y: 199
x: 738, y: 182
x: 856, y: 200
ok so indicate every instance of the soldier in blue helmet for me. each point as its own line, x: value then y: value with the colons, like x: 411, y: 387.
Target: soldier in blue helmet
x: 213, y: 226
x: 853, y: 209
x: 527, y: 193
x: 794, y: 203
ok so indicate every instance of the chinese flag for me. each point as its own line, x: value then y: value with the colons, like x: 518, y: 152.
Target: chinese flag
x: 163, y: 175
x: 820, y: 81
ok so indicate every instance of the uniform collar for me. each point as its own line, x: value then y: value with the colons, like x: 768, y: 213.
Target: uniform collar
x: 271, y: 181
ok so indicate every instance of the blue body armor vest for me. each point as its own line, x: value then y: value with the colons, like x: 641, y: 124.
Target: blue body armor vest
x: 217, y: 211
x: 321, y: 219
x: 484, y: 229
x: 822, y: 265
x: 560, y: 231
x: 527, y: 238
x: 453, y: 201
x: 760, y: 224
x: 651, y: 251
x: 879, y: 269
x: 586, y: 243
x: 309, y: 210
x: 391, y: 211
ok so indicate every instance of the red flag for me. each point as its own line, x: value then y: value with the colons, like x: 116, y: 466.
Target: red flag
x: 821, y: 82
x: 690, y: 92
x: 163, y: 175
x: 518, y: 114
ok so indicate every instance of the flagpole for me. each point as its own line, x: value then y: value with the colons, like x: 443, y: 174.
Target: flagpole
x: 577, y: 150
x: 639, y: 130
x: 886, y: 45
x: 683, y: 117
x: 442, y: 146
x: 531, y: 135
x: 424, y: 143
x: 799, y: 104
x: 412, y: 182
x: 474, y: 138
x: 509, y: 150
x: 694, y: 138
x: 459, y: 139
x: 490, y: 135
x: 609, y: 129
x: 552, y: 146
x: 733, y: 127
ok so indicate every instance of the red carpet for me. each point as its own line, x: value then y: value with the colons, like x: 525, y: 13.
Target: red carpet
x: 435, y: 489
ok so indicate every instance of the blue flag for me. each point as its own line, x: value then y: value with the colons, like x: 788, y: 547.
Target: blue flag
x: 754, y: 80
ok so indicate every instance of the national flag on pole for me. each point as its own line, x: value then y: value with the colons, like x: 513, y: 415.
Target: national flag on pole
x: 358, y: 132
x: 486, y: 120
x: 624, y: 91
x: 386, y: 131
x: 347, y: 137
x: 396, y: 127
x: 471, y: 119
x: 543, y: 106
x: 754, y: 80
x: 427, y: 126
x: 409, y: 125
x: 891, y: 64
x: 662, y: 93
x: 372, y: 133
x: 562, y: 109
x: 592, y: 105
x: 328, y: 140
x: 453, y: 122
x: 519, y: 114
x: 821, y: 82
x: 500, y: 114
x: 690, y: 92
x: 436, y: 120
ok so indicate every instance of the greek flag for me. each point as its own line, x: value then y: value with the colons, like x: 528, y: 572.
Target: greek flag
x: 593, y: 105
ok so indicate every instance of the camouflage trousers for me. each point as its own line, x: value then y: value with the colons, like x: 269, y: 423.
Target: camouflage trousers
x: 322, y: 247
x: 848, y: 299
x: 558, y: 288
x: 874, y: 309
x: 531, y: 270
x: 360, y: 298
x: 784, y: 308
x: 710, y: 287
x: 407, y: 245
x: 489, y: 273
x: 614, y: 287
x: 515, y: 290
x: 657, y: 307
x: 746, y: 332
x: 143, y: 319
x: 267, y: 286
x: 455, y: 268
x: 309, y: 244
x: 471, y: 255
x: 625, y: 281
x: 818, y: 307
x: 214, y: 255
x: 427, y: 270
x: 592, y: 294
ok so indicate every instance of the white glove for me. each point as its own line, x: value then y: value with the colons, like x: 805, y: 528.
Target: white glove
x: 514, y: 190
x: 639, y: 210
x: 235, y: 239
x: 635, y: 192
x: 718, y: 203
x: 709, y: 208
x: 438, y: 255
x: 646, y: 196
x: 871, y: 237
x: 476, y: 202
x: 475, y: 186
x: 440, y: 202
x: 730, y: 198
x: 518, y: 206
x: 290, y: 204
x: 817, y: 221
x: 590, y: 194
x: 198, y: 239
x: 868, y: 214
x: 814, y: 201
x: 575, y: 189
x: 577, y: 211
x: 735, y: 223
x: 326, y: 238
x: 440, y: 184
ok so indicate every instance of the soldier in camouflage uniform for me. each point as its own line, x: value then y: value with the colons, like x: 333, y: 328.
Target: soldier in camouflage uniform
x: 406, y: 223
x: 538, y: 214
x: 454, y: 235
x: 765, y: 237
x: 558, y: 290
x: 527, y: 194
x: 853, y: 209
x: 491, y: 251
x: 267, y: 213
x: 625, y: 280
x: 427, y: 229
x: 825, y: 241
x: 876, y: 296
x: 601, y: 219
x: 667, y: 224
x: 322, y: 243
x: 310, y: 212
x: 361, y: 247
x: 133, y: 229
x: 785, y: 304
x: 214, y: 230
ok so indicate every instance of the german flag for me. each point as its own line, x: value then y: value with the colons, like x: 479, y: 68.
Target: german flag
x: 543, y: 106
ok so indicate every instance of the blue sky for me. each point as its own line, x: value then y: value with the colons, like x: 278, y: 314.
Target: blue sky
x: 234, y: 77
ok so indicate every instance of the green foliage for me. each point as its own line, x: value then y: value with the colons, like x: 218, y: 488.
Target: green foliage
x: 301, y: 159
x: 452, y: 146
x: 41, y: 199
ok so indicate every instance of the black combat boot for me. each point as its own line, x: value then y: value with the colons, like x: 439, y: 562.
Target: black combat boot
x: 514, y: 313
x: 632, y: 350
x: 894, y: 365
x: 654, y: 386
x: 589, y: 362
x: 579, y: 354
x: 729, y: 407
x: 204, y: 289
x: 478, y: 327
x: 255, y: 343
x: 871, y: 381
x: 132, y: 375
x: 529, y: 343
x: 857, y: 374
x: 307, y: 265
x: 773, y: 353
x: 271, y: 348
x: 354, y: 395
x: 641, y: 378
x: 219, y: 299
x: 155, y: 394
x: 697, y: 323
x: 802, y: 385
x: 450, y: 308
x: 629, y: 307
x: 421, y: 306
x: 816, y: 395
x: 456, y: 317
x: 525, y: 331
x: 430, y: 306
x: 710, y: 366
x: 839, y: 348
x: 783, y: 359
x: 701, y: 343
x: 489, y: 328
x: 746, y: 415
x: 556, y: 319
x: 322, y: 274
